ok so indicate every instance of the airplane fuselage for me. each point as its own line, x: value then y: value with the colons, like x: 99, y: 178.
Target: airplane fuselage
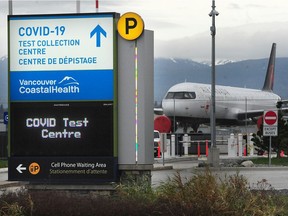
x: 193, y: 100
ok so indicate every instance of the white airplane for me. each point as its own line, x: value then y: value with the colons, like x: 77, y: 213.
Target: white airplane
x: 189, y: 103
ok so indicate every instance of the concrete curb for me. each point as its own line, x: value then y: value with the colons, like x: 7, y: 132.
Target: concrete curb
x: 276, y: 168
x: 165, y: 167
x: 175, y: 159
x: 7, y: 184
x: 3, y: 170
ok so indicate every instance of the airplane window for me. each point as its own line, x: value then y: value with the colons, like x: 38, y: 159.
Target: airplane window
x: 178, y: 95
x: 181, y: 95
x: 189, y: 95
x: 186, y: 95
x: 170, y: 95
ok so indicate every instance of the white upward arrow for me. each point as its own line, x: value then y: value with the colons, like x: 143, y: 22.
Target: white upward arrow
x: 20, y: 168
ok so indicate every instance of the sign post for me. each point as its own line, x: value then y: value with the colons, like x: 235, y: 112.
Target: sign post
x: 270, y: 127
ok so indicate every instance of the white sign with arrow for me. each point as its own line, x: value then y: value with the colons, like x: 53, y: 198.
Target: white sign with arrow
x: 62, y: 42
x: 20, y: 168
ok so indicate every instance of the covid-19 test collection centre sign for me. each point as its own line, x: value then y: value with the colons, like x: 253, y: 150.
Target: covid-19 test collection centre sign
x: 62, y: 96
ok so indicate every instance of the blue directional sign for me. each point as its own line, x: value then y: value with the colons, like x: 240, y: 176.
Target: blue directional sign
x: 62, y: 57
x: 62, y: 97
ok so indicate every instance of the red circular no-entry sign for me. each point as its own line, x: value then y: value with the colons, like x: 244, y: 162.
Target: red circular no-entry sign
x: 270, y: 118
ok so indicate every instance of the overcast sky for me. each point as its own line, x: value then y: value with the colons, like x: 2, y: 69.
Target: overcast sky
x: 245, y: 28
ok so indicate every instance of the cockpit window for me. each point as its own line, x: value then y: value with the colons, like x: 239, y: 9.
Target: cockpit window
x: 170, y: 95
x: 181, y: 95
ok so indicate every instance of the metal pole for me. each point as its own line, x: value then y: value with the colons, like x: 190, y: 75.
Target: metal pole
x: 212, y: 14
x: 213, y: 157
x: 246, y: 129
x: 77, y: 6
x: 174, y: 118
x: 163, y: 142
x: 97, y: 5
x: 270, y: 141
x: 10, y: 7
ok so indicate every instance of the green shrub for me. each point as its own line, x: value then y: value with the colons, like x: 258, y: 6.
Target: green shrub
x: 15, y: 203
x: 136, y: 189
x: 203, y: 194
x: 11, y: 209
x: 3, y: 163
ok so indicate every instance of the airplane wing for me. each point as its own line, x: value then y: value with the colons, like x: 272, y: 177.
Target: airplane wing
x: 250, y: 114
x: 281, y: 105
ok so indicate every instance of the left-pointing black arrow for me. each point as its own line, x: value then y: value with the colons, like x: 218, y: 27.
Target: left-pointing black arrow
x: 20, y: 168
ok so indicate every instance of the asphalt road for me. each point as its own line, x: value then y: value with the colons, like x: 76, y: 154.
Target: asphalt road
x: 3, y: 175
x: 277, y: 177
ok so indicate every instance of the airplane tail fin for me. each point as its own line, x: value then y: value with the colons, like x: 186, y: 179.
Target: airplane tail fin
x: 269, y: 80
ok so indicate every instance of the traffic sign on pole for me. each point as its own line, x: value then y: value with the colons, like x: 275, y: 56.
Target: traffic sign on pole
x: 270, y: 118
x: 270, y: 126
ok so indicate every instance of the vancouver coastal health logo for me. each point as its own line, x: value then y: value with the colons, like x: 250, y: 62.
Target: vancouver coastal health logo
x: 68, y: 85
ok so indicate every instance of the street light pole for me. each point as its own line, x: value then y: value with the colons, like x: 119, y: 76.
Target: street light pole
x: 10, y: 6
x: 78, y: 6
x: 213, y: 160
x: 212, y: 14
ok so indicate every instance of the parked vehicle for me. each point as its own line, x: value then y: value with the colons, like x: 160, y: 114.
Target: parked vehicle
x: 156, y: 142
